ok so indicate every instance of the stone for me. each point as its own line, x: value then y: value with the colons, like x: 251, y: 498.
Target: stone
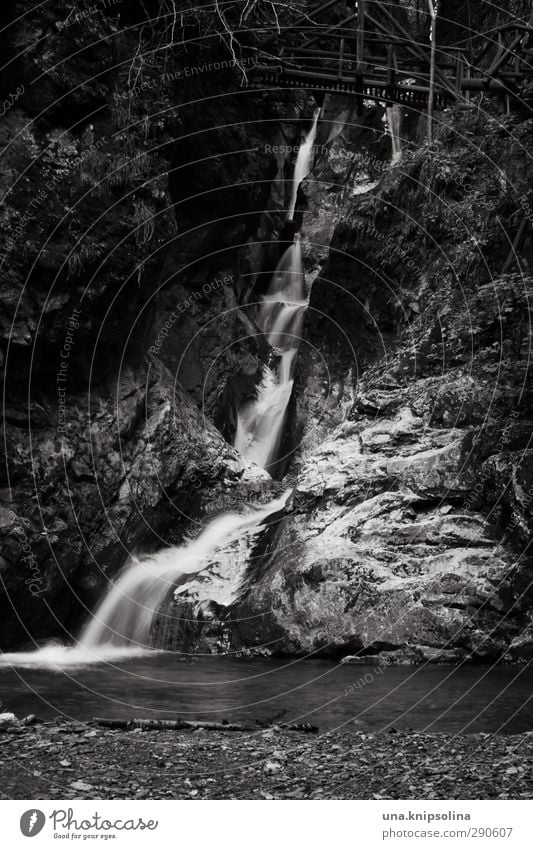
x: 8, y: 720
x: 82, y: 786
x: 271, y: 767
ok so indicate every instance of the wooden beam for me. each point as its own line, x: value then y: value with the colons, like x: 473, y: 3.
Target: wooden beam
x: 459, y: 72
x: 312, y: 14
x: 347, y: 20
x: 503, y: 56
x: 500, y: 51
x: 341, y: 59
x: 433, y: 8
x: 378, y: 83
x: 411, y: 46
x: 391, y: 71
x: 391, y: 66
x: 360, y: 35
x: 481, y: 84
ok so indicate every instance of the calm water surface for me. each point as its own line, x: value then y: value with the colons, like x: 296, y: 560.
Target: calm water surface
x: 468, y: 699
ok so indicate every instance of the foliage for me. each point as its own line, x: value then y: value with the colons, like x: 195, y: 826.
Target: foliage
x: 143, y: 222
x: 82, y: 258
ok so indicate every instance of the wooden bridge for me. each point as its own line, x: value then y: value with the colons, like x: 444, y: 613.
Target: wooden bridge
x: 370, y: 53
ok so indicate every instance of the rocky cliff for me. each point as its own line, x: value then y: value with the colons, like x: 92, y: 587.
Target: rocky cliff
x: 144, y: 194
x: 413, y: 516
x: 119, y: 321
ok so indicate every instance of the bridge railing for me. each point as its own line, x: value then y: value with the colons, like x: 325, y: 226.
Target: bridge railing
x: 387, y: 61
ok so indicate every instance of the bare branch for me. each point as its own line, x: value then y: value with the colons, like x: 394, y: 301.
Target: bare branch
x: 231, y: 42
x: 276, y: 17
x: 246, y: 12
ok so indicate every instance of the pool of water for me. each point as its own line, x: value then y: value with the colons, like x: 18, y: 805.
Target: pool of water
x: 165, y: 685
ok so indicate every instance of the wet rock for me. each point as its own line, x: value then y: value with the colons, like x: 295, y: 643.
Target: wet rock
x: 522, y: 645
x: 413, y: 504
x: 509, y: 481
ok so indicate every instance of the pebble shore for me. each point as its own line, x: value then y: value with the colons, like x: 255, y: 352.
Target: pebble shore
x: 67, y: 760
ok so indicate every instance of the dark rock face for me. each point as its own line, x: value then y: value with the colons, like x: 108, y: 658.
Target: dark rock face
x: 131, y: 473
x: 386, y: 552
x: 119, y: 320
x: 413, y: 516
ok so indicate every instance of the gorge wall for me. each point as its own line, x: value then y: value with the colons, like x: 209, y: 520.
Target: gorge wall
x: 145, y: 223
x: 412, y: 510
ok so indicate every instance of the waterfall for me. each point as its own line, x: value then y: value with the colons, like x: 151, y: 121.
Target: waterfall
x: 303, y: 163
x: 121, y: 626
x: 394, y: 123
x: 260, y: 421
x: 127, y: 611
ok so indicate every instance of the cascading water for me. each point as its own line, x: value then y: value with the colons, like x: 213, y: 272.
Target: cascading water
x: 260, y: 422
x: 394, y: 123
x: 303, y: 163
x: 123, y: 622
x: 126, y: 614
x: 121, y: 626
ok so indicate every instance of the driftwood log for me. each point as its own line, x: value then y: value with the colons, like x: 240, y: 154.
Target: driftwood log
x: 167, y: 724
x: 185, y: 724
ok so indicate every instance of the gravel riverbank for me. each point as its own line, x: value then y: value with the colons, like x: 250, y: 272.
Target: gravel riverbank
x: 82, y: 761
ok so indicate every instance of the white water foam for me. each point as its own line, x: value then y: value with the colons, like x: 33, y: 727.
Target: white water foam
x: 303, y: 163
x: 120, y: 628
x: 394, y: 123
x: 55, y: 656
x: 260, y: 421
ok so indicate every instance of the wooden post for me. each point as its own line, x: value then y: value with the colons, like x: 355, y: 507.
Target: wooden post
x: 341, y: 59
x: 391, y: 73
x: 360, y: 35
x: 345, y: 22
x: 433, y: 11
x: 459, y: 72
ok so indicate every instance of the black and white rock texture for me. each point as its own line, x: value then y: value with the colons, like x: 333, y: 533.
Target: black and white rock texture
x: 409, y: 433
